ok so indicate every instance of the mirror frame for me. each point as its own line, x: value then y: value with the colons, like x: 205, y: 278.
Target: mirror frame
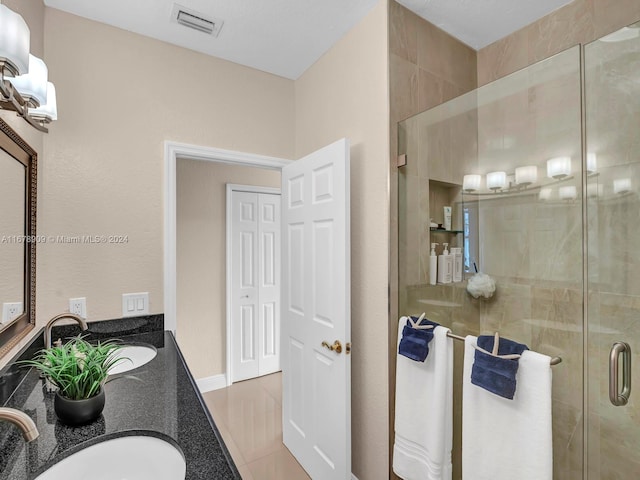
x: 16, y: 147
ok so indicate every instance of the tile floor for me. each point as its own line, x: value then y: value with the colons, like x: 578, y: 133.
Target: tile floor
x: 249, y: 417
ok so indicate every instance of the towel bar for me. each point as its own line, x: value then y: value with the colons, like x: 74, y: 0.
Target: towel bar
x: 554, y: 360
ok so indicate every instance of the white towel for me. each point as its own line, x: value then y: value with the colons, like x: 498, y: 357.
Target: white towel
x: 423, y: 422
x: 508, y: 439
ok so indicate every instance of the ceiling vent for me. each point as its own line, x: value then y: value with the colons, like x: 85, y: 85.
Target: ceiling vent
x: 196, y: 20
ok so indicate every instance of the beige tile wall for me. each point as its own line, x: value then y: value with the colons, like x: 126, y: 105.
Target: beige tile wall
x: 426, y: 67
x: 613, y: 113
x: 554, y: 307
x: 581, y: 21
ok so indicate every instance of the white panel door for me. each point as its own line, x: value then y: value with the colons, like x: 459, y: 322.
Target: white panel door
x: 316, y: 408
x: 244, y: 296
x: 255, y: 284
x: 269, y: 283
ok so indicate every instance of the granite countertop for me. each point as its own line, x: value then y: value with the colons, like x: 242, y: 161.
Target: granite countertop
x: 158, y: 399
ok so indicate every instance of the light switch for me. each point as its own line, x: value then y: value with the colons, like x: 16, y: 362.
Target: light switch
x: 134, y: 304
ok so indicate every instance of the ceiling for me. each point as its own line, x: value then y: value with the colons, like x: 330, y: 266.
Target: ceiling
x: 479, y: 23
x: 285, y: 37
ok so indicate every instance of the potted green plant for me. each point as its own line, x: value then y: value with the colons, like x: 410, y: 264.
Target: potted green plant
x: 79, y: 370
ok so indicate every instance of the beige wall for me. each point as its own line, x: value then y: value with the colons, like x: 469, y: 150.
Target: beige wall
x: 345, y: 94
x: 201, y: 257
x: 120, y: 97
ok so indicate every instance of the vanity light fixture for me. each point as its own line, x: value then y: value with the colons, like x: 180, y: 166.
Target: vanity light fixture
x: 559, y: 167
x: 526, y: 175
x: 568, y: 192
x: 595, y: 190
x: 48, y: 112
x: 33, y: 85
x: 471, y: 183
x: 621, y: 185
x: 496, y: 180
x: 592, y: 163
x: 545, y: 193
x: 23, y: 77
x: 14, y: 42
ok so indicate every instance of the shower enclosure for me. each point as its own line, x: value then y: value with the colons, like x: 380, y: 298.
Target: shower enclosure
x: 542, y: 171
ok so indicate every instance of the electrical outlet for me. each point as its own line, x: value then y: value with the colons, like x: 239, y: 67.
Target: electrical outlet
x: 134, y: 304
x: 78, y: 306
x: 11, y: 310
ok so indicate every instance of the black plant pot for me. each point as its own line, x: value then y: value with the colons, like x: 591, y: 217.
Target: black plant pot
x: 78, y: 412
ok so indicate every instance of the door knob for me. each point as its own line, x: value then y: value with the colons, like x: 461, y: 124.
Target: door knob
x: 336, y: 347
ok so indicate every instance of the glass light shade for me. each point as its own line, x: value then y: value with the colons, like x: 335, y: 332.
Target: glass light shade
x: 559, y: 167
x: 568, y: 192
x: 471, y: 183
x: 496, y: 180
x: 595, y: 190
x: 33, y: 85
x: 592, y: 162
x: 526, y: 175
x: 49, y: 111
x: 545, y: 193
x: 622, y: 185
x: 14, y: 40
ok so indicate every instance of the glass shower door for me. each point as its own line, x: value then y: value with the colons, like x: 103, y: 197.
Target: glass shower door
x: 612, y: 101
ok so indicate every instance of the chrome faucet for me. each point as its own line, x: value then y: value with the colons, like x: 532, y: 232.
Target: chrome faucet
x: 47, y: 329
x: 22, y: 421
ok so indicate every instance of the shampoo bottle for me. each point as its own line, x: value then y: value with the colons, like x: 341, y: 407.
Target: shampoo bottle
x: 447, y: 218
x: 445, y: 265
x: 457, y: 264
x: 433, y: 265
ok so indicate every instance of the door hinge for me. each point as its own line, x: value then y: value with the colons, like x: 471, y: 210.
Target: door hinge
x: 401, y: 161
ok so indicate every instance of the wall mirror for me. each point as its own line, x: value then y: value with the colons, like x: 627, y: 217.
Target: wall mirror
x: 18, y: 170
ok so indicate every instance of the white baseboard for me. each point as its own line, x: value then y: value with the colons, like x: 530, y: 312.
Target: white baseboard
x: 215, y: 382
x: 353, y: 477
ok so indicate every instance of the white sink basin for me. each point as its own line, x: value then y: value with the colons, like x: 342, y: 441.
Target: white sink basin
x: 124, y: 458
x: 132, y: 356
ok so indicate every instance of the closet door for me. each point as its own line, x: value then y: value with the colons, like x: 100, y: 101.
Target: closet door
x: 269, y: 284
x: 245, y: 336
x: 255, y: 285
x: 612, y: 100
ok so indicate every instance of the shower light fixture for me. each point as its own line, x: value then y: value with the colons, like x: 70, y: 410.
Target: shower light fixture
x: 471, y: 183
x: 559, y: 167
x: 496, y: 180
x: 526, y: 175
x: 24, y: 86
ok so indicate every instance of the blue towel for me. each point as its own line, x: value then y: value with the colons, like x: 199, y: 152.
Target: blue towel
x: 497, y: 375
x: 415, y: 343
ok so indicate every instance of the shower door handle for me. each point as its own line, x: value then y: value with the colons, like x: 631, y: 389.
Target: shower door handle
x: 620, y: 349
